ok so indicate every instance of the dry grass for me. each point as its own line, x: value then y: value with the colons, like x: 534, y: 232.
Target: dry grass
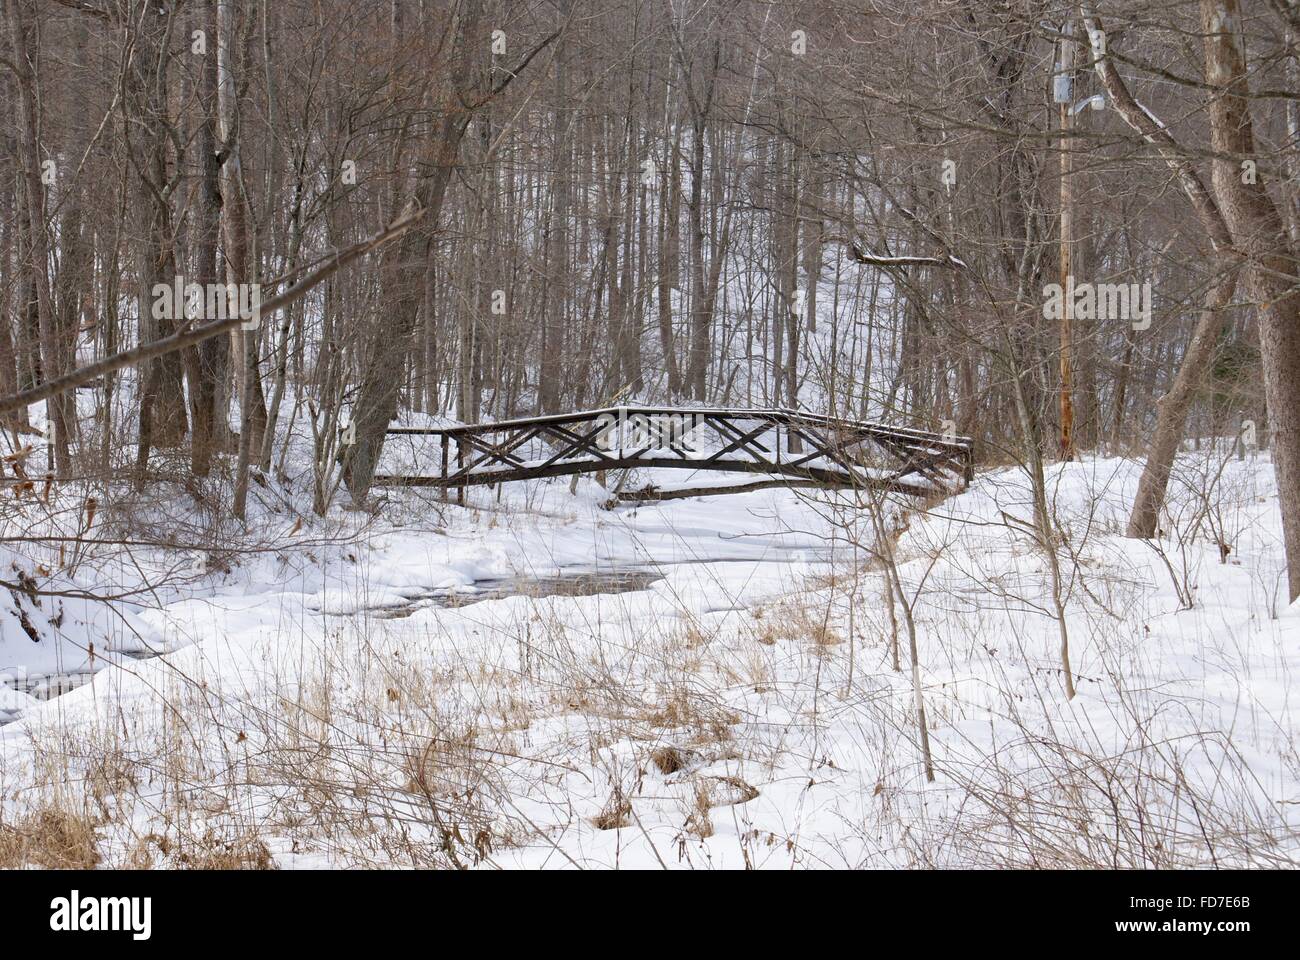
x: 725, y: 791
x: 669, y: 759
x: 616, y: 814
x: 214, y: 853
x: 50, y: 837
x: 388, y: 751
x: 709, y: 721
x: 794, y: 620
x: 698, y: 821
x: 433, y: 768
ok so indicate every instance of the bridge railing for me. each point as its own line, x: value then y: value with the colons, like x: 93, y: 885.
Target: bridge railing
x: 827, y: 451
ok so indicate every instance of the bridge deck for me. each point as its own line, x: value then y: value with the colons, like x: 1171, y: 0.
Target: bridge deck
x: 809, y: 448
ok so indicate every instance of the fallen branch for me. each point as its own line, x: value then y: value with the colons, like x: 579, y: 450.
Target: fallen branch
x: 863, y: 255
x: 655, y: 495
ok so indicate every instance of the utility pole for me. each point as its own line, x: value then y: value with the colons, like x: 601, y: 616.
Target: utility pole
x: 1063, y: 94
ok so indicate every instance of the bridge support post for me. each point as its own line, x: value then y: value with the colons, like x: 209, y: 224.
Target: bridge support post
x: 460, y: 466
x: 443, y: 468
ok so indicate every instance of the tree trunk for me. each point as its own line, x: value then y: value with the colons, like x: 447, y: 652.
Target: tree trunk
x: 389, y: 343
x: 38, y: 248
x: 241, y: 266
x: 558, y: 294
x: 1171, y: 419
x: 209, y: 396
x: 1271, y: 277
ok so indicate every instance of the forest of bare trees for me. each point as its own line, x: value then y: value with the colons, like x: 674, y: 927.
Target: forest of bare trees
x: 243, y: 240
x: 619, y: 200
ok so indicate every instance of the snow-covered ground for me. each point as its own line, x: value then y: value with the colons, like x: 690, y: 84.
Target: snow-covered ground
x: 744, y: 710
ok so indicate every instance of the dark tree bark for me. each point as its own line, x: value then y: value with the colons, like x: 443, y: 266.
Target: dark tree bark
x: 36, y: 263
x: 386, y: 349
x: 1271, y: 275
x: 163, y: 417
x: 208, y: 362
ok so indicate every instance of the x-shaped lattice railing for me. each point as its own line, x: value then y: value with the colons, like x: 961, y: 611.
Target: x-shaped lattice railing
x: 829, y: 451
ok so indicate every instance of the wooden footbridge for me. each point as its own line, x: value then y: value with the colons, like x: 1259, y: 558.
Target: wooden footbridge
x: 787, y: 445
